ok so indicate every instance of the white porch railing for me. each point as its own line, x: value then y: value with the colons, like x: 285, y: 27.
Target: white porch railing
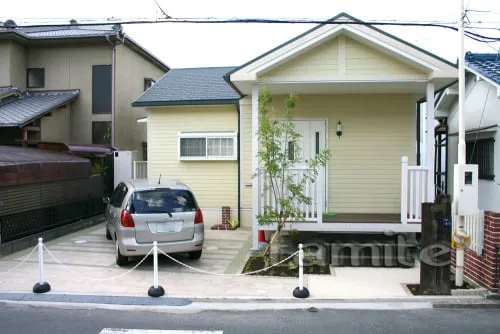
x: 315, y: 190
x: 140, y: 170
x: 414, y: 183
x: 474, y: 226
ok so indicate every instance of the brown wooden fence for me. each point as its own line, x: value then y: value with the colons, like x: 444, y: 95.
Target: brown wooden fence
x: 27, y: 209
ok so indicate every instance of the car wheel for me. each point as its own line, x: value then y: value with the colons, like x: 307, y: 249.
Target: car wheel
x: 119, y: 258
x: 195, y: 255
x: 108, y: 234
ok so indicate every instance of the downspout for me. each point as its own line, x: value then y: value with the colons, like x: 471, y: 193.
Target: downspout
x: 113, y: 79
x: 239, y: 162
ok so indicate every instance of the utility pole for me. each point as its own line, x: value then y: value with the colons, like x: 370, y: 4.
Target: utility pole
x: 459, y: 260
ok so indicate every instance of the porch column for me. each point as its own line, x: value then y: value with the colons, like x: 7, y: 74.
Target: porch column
x: 429, y: 149
x: 255, y: 165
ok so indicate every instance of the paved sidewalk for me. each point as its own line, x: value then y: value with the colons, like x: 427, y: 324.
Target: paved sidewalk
x: 89, y: 269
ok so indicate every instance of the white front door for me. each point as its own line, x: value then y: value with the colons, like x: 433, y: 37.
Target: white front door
x: 313, y: 139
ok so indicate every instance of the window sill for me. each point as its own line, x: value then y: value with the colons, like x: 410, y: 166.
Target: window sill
x: 207, y: 159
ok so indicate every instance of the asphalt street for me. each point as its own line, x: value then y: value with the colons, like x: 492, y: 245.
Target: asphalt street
x: 20, y: 319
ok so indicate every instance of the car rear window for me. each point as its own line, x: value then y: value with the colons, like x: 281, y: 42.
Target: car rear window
x: 162, y: 200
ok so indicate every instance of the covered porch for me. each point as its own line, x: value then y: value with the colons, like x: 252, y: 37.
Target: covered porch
x: 414, y: 181
x: 371, y: 82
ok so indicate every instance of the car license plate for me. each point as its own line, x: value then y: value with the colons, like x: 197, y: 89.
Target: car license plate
x: 166, y: 227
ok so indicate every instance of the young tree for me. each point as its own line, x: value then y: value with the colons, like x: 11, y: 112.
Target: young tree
x: 277, y: 137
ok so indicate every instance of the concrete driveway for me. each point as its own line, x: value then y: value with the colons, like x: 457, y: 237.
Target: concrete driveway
x: 84, y: 264
x: 87, y: 267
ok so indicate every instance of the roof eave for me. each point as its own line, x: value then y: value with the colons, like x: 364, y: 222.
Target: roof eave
x: 184, y: 103
x: 45, y: 112
x: 482, y: 76
x: 146, y: 54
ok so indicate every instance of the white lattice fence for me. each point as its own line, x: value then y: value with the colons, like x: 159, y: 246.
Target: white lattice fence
x: 474, y: 226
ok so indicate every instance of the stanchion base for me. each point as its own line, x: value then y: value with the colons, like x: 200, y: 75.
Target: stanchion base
x: 156, y: 292
x: 304, y: 293
x: 41, y: 287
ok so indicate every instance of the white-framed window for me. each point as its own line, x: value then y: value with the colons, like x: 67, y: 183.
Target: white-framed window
x: 207, y: 145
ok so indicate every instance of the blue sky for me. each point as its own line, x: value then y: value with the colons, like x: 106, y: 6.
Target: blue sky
x: 192, y: 45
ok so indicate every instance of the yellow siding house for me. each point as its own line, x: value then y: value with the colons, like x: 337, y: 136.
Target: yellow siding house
x: 359, y: 91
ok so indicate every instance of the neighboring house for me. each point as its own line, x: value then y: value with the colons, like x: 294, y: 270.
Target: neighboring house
x: 482, y: 137
x: 481, y: 120
x: 72, y: 84
x: 352, y: 76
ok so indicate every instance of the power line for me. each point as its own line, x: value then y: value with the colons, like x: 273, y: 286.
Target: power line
x: 166, y: 16
x: 472, y: 35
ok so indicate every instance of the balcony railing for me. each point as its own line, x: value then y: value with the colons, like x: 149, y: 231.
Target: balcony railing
x: 314, y: 190
x: 414, y: 183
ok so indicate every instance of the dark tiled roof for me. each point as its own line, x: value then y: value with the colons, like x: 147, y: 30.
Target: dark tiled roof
x: 32, y: 105
x: 190, y: 86
x: 11, y: 155
x: 487, y: 64
x: 63, y: 31
x: 66, y: 33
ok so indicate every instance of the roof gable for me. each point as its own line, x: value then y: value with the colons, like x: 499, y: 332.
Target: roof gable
x: 342, y: 58
x: 365, y: 34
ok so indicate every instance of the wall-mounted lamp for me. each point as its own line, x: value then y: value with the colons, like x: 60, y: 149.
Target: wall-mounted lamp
x: 339, y: 129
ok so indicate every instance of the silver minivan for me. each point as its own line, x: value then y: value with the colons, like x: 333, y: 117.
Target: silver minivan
x: 139, y: 213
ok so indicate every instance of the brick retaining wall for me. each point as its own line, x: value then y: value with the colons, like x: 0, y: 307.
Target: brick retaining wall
x: 483, y: 268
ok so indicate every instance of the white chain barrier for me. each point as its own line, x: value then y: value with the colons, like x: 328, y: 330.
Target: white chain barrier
x: 156, y: 290
x: 223, y: 274
x: 22, y: 262
x: 98, y: 279
x: 301, y: 291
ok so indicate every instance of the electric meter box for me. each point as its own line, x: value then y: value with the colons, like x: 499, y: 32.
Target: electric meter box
x: 466, y: 183
x: 123, y: 165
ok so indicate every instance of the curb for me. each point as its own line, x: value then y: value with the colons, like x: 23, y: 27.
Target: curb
x: 180, y: 304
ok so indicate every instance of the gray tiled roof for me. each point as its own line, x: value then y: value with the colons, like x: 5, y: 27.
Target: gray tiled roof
x: 66, y: 33
x: 32, y: 105
x: 487, y: 64
x: 190, y: 86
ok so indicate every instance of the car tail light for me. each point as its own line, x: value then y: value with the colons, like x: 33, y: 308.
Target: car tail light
x: 198, y: 218
x: 126, y: 219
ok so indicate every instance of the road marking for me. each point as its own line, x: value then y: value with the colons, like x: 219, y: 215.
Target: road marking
x: 153, y: 331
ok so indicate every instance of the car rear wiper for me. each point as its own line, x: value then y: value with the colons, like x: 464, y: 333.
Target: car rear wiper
x: 160, y: 211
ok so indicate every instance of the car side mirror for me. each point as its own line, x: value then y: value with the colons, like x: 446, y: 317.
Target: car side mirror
x: 105, y: 200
